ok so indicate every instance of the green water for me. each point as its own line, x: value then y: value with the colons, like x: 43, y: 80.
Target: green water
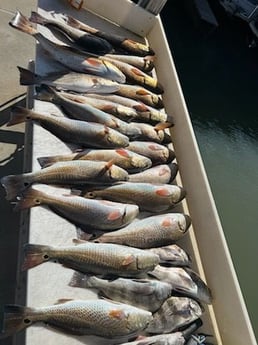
x: 219, y: 77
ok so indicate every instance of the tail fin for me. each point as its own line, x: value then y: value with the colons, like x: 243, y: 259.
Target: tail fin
x: 29, y: 198
x: 16, y: 318
x: 35, y: 255
x: 80, y: 280
x: 46, y: 93
x: 187, y: 332
x: 13, y: 185
x: 19, y: 115
x: 163, y: 125
x: 79, y: 25
x: 47, y: 161
x: 23, y: 24
x: 27, y: 77
x: 35, y: 17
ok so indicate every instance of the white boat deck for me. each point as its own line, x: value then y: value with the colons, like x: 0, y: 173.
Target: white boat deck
x: 227, y: 318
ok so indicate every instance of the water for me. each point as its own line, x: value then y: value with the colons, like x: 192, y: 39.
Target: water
x: 219, y: 77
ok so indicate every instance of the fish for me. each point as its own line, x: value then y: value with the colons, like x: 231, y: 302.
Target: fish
x: 154, y: 133
x: 128, y: 160
x: 172, y: 255
x: 64, y: 173
x: 146, y: 294
x: 103, y: 259
x: 140, y: 93
x: 144, y: 112
x: 69, y: 57
x: 150, y: 232
x: 136, y: 76
x: 88, y: 42
x: 97, y: 317
x: 145, y: 63
x: 163, y: 174
x: 149, y: 197
x: 129, y: 45
x: 184, y: 281
x: 71, y: 130
x: 159, y: 154
x: 84, y: 213
x: 72, y: 81
x: 73, y: 106
x: 122, y: 112
x: 175, y: 338
x: 175, y: 313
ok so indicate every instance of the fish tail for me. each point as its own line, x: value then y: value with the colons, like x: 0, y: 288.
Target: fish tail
x: 27, y: 77
x: 35, y: 254
x: 80, y: 280
x: 13, y: 185
x: 29, y: 198
x: 73, y: 22
x: 23, y: 24
x: 35, y: 17
x: 47, y: 161
x: 18, y: 115
x: 15, y: 319
x: 46, y: 93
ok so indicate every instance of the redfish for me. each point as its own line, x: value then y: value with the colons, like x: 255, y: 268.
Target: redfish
x: 65, y: 173
x: 72, y: 81
x: 71, y: 58
x: 97, y: 258
x: 150, y: 232
x: 148, y: 196
x: 128, y: 160
x: 71, y: 131
x: 97, y: 317
x: 164, y: 173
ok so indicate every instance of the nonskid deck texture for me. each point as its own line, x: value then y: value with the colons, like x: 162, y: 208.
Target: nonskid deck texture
x: 49, y: 282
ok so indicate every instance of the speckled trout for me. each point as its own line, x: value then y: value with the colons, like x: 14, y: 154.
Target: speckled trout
x: 97, y: 258
x: 175, y: 313
x: 72, y: 58
x: 102, y: 318
x: 143, y: 293
x: 90, y: 43
x: 76, y: 108
x: 148, y: 196
x: 132, y: 46
x: 71, y: 131
x: 153, y: 231
x: 85, y: 213
x: 128, y: 160
x: 65, y: 173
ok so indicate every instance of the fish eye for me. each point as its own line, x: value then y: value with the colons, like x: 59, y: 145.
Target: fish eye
x: 27, y: 321
x: 90, y: 194
x: 37, y: 201
x: 26, y: 184
x: 45, y: 256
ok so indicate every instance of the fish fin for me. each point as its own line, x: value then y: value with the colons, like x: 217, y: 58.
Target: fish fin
x: 73, y: 22
x: 29, y: 198
x: 187, y: 332
x: 35, y: 17
x: 106, y: 167
x: 141, y: 107
x: 113, y: 215
x: 142, y: 92
x: 13, y: 185
x: 77, y: 241
x: 128, y: 260
x: 63, y: 300
x: 79, y: 280
x: 45, y: 93
x: 117, y: 314
x: 15, y: 319
x: 35, y: 254
x: 23, y: 24
x: 27, y: 77
x: 123, y: 152
x: 82, y: 235
x: 162, y: 192
x: 19, y: 115
x: 46, y: 161
x: 163, y: 125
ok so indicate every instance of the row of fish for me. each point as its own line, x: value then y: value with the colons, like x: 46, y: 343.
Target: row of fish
x: 121, y: 166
